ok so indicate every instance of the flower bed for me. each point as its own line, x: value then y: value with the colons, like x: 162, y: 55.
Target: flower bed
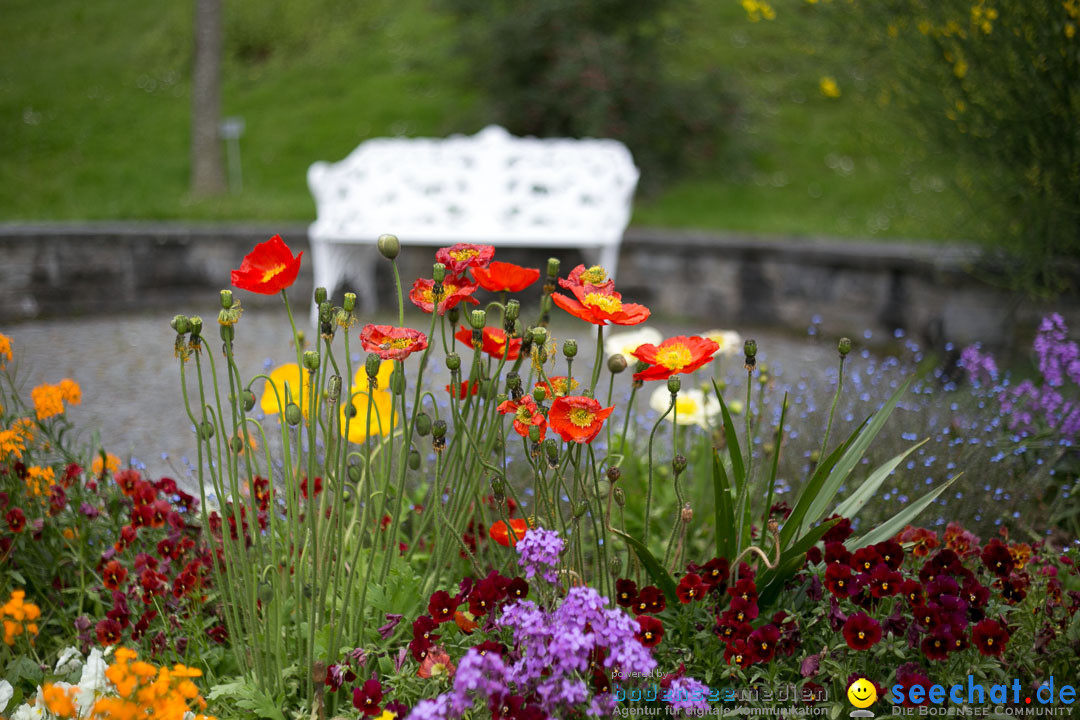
x: 477, y: 520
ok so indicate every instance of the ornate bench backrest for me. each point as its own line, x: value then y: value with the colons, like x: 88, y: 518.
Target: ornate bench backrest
x: 489, y: 187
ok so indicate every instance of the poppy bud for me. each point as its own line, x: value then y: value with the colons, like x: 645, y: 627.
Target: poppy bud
x: 355, y: 472
x: 227, y: 332
x: 551, y: 449
x: 587, y: 392
x: 620, y: 496
x: 498, y: 489
x: 581, y: 509
x: 569, y: 348
x: 640, y: 366
x: 687, y: 514
x: 539, y: 394
x: 180, y: 324
x: 453, y: 315
x: 477, y: 319
x: 320, y: 295
x: 844, y: 346
x: 195, y: 325
x: 616, y: 363
x: 553, y: 268
x: 324, y: 312
x: 615, y: 564
x: 534, y: 433
x: 539, y: 336
x: 486, y: 386
x: 351, y: 411
x: 516, y: 330
x: 389, y: 246
x: 206, y: 430
x: 422, y: 424
x: 237, y: 445
x: 613, y: 474
x: 513, y: 381
x: 501, y: 398
x: 438, y: 272
x: 371, y: 366
x: 397, y: 381
x: 414, y: 460
x: 248, y: 398
x: 750, y: 350
x: 333, y: 388
x: 438, y: 429
x: 311, y: 360
x: 674, y: 384
x: 513, y: 308
x: 678, y: 464
x: 349, y: 303
x: 293, y: 414
x: 226, y: 299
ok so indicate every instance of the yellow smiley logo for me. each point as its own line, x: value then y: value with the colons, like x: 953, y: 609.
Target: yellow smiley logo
x: 862, y: 693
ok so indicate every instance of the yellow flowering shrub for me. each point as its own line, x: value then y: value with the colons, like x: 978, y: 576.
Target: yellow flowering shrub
x: 39, y: 480
x: 18, y: 617
x: 49, y: 399
x: 111, y: 463
x: 5, y: 350
x: 14, y: 439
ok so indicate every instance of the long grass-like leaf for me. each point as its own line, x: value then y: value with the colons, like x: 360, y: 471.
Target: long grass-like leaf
x: 738, y: 469
x: 853, y: 504
x: 724, y: 512
x: 896, y: 523
x: 656, y: 571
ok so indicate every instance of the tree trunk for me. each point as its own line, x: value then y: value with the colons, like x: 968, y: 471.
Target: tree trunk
x: 207, y: 170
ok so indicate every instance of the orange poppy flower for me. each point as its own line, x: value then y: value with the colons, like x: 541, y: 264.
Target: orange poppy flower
x: 526, y: 414
x: 494, y: 342
x: 594, y: 278
x: 392, y: 343
x: 505, y: 277
x: 466, y: 621
x: 577, y: 418
x: 436, y: 663
x: 679, y: 354
x: 500, y: 531
x: 268, y: 269
x: 601, y: 307
x: 463, y: 390
x: 560, y: 384
x: 458, y: 257
x: 455, y: 290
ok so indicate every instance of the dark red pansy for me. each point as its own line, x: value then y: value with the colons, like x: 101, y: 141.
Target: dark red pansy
x: 650, y: 631
x: 861, y: 632
x: 368, y: 697
x: 690, y: 588
x: 990, y: 637
x: 625, y: 592
x: 441, y: 606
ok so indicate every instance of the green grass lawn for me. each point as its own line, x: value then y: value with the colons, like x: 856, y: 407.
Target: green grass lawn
x: 94, y: 112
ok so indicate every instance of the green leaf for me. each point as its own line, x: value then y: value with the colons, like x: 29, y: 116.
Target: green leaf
x: 772, y: 581
x: 812, y: 487
x: 723, y: 510
x: 243, y: 695
x: 776, y: 454
x: 896, y: 523
x: 851, y: 507
x: 852, y: 456
x: 656, y: 571
x: 738, y: 469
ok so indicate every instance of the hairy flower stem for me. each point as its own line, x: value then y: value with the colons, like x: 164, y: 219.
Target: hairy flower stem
x: 832, y: 410
x: 648, y: 491
x: 599, y: 357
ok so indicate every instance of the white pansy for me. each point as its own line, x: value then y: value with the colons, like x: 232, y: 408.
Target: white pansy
x: 692, y: 406
x: 730, y: 342
x: 29, y: 712
x: 625, y: 343
x: 70, y: 660
x: 92, y: 683
x: 6, y: 693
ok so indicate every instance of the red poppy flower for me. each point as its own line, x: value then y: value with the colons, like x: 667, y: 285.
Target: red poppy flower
x: 679, y: 354
x: 589, y: 279
x: 16, y: 519
x: 861, y: 631
x: 526, y: 415
x: 466, y: 621
x: 505, y: 277
x: 268, y: 269
x: 739, y: 652
x: 601, y: 308
x: 650, y: 631
x: 113, y: 575
x: 690, y: 588
x: 392, y: 343
x: 500, y: 532
x: 464, y: 389
x: 457, y: 258
x: 436, y: 663
x: 990, y: 637
x: 494, y: 342
x: 577, y: 418
x: 763, y: 642
x: 559, y: 384
x: 625, y: 593
x: 367, y: 698
x: 108, y: 632
x: 455, y: 291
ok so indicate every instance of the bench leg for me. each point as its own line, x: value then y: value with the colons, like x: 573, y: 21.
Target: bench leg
x: 365, y: 279
x: 326, y: 269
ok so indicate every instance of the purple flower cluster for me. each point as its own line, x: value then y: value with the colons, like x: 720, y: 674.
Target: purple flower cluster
x: 980, y: 366
x: 539, y: 553
x: 686, y: 693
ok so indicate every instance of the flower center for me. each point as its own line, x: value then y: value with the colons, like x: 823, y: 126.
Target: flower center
x: 272, y: 272
x: 648, y: 635
x: 990, y: 641
x: 686, y: 405
x: 581, y: 417
x: 607, y: 303
x: 595, y: 275
x: 400, y: 343
x: 464, y: 255
x: 523, y: 414
x: 674, y: 357
x: 862, y: 636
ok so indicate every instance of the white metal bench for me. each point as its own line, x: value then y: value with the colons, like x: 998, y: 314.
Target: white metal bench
x: 491, y: 188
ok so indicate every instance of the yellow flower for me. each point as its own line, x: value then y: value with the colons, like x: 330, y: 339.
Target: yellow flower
x: 11, y: 443
x: 286, y: 376
x: 39, y: 480
x: 829, y: 88
x: 960, y: 68
x: 757, y: 10
x: 59, y: 700
x: 71, y: 391
x: 48, y: 401
x: 5, y: 349
x: 112, y: 464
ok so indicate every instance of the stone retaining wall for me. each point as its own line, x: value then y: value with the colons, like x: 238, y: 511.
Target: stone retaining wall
x: 729, y: 280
